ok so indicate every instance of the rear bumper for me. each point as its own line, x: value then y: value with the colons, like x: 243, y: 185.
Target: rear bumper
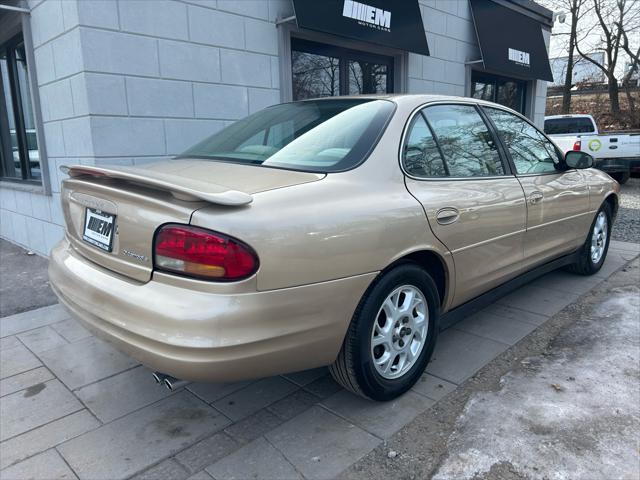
x: 615, y: 165
x: 200, y: 336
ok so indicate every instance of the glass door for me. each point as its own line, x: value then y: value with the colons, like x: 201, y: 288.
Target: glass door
x: 505, y: 91
x: 321, y: 70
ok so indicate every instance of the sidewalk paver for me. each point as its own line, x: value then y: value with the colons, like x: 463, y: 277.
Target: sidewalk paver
x: 21, y: 322
x: 382, y: 419
x: 16, y: 360
x: 35, y: 406
x: 207, y: 452
x: 301, y: 424
x: 253, y: 426
x: 130, y: 444
x: 433, y: 387
x: 121, y: 394
x: 515, y: 314
x: 45, y: 437
x: 24, y: 380
x: 320, y: 444
x: 167, y: 469
x: 458, y: 355
x: 543, y: 301
x: 70, y: 330
x: 41, y: 339
x: 44, y: 466
x: 259, y: 459
x: 495, y: 327
x: 252, y: 398
x: 85, y: 361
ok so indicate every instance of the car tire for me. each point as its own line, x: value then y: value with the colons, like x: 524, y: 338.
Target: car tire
x: 387, y: 322
x: 621, y: 177
x: 594, y: 251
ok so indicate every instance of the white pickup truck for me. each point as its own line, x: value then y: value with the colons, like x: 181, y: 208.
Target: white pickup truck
x: 616, y: 154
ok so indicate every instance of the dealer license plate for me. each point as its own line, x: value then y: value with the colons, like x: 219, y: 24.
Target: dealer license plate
x: 98, y: 228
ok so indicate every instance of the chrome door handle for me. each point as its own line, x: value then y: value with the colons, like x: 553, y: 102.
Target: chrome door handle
x: 447, y: 215
x: 535, y: 197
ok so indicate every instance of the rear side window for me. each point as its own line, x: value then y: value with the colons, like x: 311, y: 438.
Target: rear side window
x: 421, y: 156
x: 559, y: 126
x: 465, y: 141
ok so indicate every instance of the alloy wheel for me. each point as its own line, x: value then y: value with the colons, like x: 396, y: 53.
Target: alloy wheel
x: 599, y: 237
x: 399, y: 332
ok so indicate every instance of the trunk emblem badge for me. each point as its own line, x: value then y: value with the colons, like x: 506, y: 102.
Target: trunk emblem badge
x: 137, y: 256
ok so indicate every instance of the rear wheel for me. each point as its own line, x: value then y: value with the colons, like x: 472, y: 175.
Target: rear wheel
x: 391, y: 336
x: 594, y: 251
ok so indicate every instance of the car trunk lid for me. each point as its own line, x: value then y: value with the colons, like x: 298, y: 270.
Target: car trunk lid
x: 139, y: 200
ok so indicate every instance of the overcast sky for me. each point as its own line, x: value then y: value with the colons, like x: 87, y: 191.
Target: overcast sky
x: 559, y: 43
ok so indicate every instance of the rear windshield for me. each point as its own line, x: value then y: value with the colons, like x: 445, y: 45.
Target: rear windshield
x: 558, y: 126
x: 316, y: 135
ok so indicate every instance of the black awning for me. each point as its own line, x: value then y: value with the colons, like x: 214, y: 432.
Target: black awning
x: 510, y: 42
x: 396, y: 24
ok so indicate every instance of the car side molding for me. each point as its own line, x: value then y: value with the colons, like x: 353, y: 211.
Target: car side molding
x: 461, y: 312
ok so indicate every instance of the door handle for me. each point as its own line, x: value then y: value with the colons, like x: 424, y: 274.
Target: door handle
x: 447, y: 215
x: 535, y: 197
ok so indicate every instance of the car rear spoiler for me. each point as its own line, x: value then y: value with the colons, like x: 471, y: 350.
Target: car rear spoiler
x: 186, y: 189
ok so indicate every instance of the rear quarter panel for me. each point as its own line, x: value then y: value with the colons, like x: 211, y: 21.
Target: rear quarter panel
x: 347, y: 224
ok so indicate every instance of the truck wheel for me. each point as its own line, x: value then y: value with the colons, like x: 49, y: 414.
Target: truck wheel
x: 595, y: 248
x: 391, y: 336
x: 621, y: 177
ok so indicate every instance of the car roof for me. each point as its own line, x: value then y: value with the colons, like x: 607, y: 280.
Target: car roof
x: 411, y: 98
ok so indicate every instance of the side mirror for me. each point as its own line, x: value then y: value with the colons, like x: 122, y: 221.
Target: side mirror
x: 577, y: 159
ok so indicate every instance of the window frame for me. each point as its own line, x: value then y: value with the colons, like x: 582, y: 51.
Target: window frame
x: 506, y: 149
x: 14, y: 88
x: 506, y: 161
x: 344, y: 55
x: 495, y: 80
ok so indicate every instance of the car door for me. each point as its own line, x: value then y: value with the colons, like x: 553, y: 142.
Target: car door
x: 473, y: 204
x: 557, y: 201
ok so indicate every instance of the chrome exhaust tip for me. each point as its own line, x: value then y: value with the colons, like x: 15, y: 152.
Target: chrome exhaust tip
x: 159, y: 377
x: 173, y: 383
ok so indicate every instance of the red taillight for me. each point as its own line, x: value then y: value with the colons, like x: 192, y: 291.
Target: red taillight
x: 577, y: 145
x: 201, y: 253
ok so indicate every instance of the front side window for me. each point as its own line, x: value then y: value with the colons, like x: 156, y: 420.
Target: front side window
x: 466, y: 143
x: 314, y: 135
x: 421, y: 156
x: 530, y: 150
x: 18, y: 144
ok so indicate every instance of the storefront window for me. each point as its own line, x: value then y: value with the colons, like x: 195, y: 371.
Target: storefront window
x: 320, y: 70
x: 493, y: 88
x: 367, y: 77
x: 18, y: 144
x: 314, y: 75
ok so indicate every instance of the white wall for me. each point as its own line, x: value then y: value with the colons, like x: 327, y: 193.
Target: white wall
x: 452, y: 41
x: 131, y: 81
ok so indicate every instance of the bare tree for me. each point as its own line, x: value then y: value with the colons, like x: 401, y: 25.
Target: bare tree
x: 634, y: 68
x: 574, y: 10
x: 612, y: 18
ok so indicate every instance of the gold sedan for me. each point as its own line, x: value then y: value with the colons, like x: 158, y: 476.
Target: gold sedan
x: 343, y: 232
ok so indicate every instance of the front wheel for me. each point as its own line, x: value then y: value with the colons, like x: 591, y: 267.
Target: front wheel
x: 391, y: 336
x: 594, y: 251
